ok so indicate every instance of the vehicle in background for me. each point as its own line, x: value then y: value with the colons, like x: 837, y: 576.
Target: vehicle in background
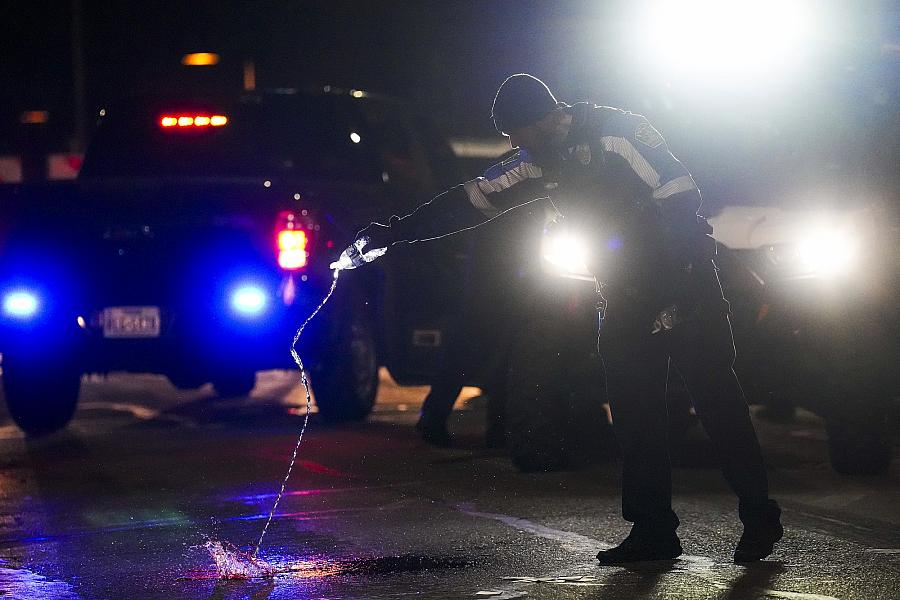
x: 812, y: 295
x: 197, y: 238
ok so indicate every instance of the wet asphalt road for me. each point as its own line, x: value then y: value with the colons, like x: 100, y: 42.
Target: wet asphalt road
x: 120, y: 505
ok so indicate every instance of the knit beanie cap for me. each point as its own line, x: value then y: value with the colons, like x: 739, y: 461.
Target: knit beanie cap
x: 522, y: 100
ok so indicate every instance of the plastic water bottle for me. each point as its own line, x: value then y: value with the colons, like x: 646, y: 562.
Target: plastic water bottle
x: 346, y: 259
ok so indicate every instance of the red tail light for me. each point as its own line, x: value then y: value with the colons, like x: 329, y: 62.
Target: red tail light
x: 293, y: 243
x: 190, y: 120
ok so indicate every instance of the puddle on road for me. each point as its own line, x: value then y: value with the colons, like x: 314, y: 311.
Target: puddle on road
x: 405, y: 563
x: 234, y: 563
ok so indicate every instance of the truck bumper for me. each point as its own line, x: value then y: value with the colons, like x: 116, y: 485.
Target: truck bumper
x: 200, y: 332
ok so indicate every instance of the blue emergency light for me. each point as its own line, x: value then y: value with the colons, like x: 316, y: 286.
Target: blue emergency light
x: 249, y: 300
x: 20, y: 304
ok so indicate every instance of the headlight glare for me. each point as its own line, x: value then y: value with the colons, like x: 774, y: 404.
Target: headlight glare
x: 566, y: 254
x: 828, y: 252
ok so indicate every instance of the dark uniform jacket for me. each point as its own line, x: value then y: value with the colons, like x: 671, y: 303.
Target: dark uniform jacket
x: 615, y: 181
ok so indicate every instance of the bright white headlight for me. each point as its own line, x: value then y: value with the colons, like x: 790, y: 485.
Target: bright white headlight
x: 565, y: 253
x: 725, y: 42
x: 828, y: 251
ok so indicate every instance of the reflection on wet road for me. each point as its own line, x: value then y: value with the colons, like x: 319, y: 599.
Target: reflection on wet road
x: 123, y: 504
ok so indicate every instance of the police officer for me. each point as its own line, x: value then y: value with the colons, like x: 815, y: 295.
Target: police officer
x: 610, y: 173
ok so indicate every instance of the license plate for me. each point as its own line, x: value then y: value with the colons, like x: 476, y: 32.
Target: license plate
x: 131, y: 322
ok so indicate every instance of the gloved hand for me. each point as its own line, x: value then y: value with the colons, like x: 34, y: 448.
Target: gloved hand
x: 371, y: 243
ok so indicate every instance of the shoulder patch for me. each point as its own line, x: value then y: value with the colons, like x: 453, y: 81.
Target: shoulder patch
x: 647, y: 135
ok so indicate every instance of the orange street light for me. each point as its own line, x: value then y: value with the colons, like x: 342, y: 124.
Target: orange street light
x: 200, y: 59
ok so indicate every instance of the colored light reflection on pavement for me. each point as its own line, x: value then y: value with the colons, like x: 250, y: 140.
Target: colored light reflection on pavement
x: 306, y: 515
x: 22, y: 583
x: 254, y: 498
x: 234, y: 563
x: 120, y: 507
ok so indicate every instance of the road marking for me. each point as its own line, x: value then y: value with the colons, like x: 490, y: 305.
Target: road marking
x: 574, y: 542
x: 883, y: 550
x: 796, y: 595
x: 816, y: 516
x: 698, y: 566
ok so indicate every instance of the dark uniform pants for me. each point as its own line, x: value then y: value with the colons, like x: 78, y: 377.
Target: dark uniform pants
x: 637, y: 364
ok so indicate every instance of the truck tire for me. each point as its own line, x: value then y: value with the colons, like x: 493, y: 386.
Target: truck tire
x: 239, y: 381
x: 537, y: 407
x: 859, y: 447
x: 41, y: 394
x: 345, y: 380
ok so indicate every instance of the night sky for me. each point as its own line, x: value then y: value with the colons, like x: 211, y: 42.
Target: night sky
x: 447, y: 57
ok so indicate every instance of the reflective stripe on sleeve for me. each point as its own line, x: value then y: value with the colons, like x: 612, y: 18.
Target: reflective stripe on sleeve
x: 478, y: 199
x: 680, y: 184
x: 624, y: 148
x: 479, y: 189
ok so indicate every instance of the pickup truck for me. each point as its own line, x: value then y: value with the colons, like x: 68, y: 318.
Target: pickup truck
x: 197, y: 238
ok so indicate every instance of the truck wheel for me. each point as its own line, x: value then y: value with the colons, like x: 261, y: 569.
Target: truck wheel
x: 346, y: 379
x: 859, y: 447
x: 236, y: 382
x: 41, y: 395
x: 537, y: 407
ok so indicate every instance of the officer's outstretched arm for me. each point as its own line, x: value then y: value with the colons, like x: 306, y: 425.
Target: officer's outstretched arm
x: 512, y: 183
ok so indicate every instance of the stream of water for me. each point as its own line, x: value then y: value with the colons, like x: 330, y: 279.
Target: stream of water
x: 230, y: 561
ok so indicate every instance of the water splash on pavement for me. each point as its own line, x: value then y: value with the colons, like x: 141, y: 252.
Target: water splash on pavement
x: 233, y: 563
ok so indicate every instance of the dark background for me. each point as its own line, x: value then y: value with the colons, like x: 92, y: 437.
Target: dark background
x: 449, y: 58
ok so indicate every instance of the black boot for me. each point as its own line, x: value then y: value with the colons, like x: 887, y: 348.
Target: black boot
x: 762, y: 529
x: 641, y: 546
